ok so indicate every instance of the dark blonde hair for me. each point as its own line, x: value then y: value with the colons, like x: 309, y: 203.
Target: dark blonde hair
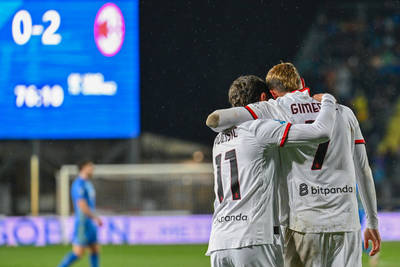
x: 283, y: 77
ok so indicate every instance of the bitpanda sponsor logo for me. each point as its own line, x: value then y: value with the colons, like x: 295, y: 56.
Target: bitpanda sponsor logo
x: 304, y: 190
x: 232, y: 218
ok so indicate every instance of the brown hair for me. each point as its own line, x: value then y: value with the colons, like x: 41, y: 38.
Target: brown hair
x: 283, y: 77
x: 83, y: 163
x: 246, y: 90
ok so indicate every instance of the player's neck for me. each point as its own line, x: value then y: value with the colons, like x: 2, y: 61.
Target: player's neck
x: 83, y: 176
x: 280, y: 94
x: 283, y: 94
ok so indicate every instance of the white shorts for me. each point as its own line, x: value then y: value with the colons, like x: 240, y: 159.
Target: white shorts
x: 254, y: 256
x: 323, y: 249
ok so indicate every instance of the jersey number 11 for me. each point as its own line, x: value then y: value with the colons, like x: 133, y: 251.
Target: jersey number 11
x: 235, y: 186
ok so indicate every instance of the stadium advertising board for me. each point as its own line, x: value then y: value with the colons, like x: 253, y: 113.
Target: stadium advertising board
x: 192, y: 229
x: 40, y: 231
x: 69, y: 69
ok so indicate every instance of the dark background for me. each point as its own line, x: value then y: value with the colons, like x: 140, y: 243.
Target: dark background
x: 191, y: 51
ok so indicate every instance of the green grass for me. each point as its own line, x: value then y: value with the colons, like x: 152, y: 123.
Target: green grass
x: 145, y: 256
x: 388, y: 257
x: 111, y: 256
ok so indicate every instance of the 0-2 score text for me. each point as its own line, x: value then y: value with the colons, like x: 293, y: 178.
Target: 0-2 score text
x: 22, y: 28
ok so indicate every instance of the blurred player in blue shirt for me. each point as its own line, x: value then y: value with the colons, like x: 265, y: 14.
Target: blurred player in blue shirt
x: 86, y: 221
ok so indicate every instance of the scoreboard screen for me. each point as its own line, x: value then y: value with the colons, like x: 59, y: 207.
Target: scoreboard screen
x: 69, y: 69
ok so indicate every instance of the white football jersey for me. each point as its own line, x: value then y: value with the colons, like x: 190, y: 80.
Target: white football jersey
x: 245, y: 184
x: 321, y: 178
x: 246, y: 180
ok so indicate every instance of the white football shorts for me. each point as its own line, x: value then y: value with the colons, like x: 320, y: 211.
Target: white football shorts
x: 269, y: 255
x: 340, y: 249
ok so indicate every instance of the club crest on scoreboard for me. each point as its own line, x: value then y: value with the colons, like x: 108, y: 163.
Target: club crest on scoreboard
x: 109, y: 29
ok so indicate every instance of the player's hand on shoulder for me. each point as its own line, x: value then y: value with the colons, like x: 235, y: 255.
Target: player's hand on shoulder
x: 374, y: 236
x: 318, y: 97
x: 324, y: 97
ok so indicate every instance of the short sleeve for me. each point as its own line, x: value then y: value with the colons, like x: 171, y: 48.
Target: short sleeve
x: 78, y: 191
x: 270, y: 132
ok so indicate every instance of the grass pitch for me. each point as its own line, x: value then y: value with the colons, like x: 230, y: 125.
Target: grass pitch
x: 144, y: 256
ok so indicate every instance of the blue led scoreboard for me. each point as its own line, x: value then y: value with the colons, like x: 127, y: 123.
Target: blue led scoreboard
x: 69, y: 69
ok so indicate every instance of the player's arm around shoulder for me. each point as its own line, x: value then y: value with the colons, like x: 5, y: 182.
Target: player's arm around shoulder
x: 223, y: 119
x: 320, y: 130
x: 268, y: 132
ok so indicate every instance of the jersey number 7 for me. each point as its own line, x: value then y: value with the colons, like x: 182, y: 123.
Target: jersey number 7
x: 320, y: 154
x: 235, y: 186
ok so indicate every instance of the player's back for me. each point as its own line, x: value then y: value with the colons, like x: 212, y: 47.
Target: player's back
x: 321, y: 178
x: 245, y: 208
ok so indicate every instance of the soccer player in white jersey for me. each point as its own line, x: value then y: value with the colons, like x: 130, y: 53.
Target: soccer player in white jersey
x: 245, y: 229
x: 323, y: 226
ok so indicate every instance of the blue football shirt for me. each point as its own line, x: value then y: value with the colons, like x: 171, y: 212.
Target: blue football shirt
x: 83, y: 189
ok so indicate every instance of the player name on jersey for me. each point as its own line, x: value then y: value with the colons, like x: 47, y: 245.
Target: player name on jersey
x: 305, y: 108
x: 225, y: 136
